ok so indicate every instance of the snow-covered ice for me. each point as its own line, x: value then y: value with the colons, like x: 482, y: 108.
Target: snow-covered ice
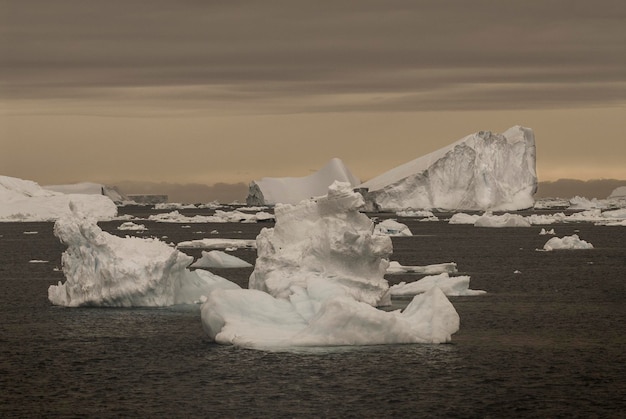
x: 90, y: 188
x: 291, y: 190
x: 109, y: 271
x: 450, y: 285
x: 318, y: 275
x: 129, y: 225
x: 218, y: 259
x: 482, y: 171
x: 395, y: 268
x: 392, y: 228
x: 25, y: 200
x: 504, y: 220
x: 219, y: 217
x: 566, y: 242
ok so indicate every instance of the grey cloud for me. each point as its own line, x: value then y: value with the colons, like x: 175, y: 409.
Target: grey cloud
x: 247, y: 52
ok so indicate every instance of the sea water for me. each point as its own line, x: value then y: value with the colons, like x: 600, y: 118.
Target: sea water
x: 545, y: 341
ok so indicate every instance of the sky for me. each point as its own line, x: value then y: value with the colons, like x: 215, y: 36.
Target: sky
x: 210, y: 92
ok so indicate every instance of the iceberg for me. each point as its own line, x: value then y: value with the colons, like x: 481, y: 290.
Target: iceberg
x: 567, y: 242
x: 108, y: 271
x: 318, y: 276
x: 219, y: 217
x: 291, y: 190
x: 396, y: 268
x: 619, y: 192
x: 450, y: 285
x: 482, y: 171
x: 218, y: 259
x: 90, y: 188
x: 25, y: 200
x: 392, y: 228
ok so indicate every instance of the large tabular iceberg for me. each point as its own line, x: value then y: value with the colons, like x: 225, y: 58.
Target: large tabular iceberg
x: 318, y: 275
x: 483, y: 171
x: 291, y: 190
x: 25, y: 200
x: 109, y: 271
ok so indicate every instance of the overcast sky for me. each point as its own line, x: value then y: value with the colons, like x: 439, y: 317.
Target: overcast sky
x: 230, y: 91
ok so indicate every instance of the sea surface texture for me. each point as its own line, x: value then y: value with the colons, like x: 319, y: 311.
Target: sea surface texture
x: 546, y: 340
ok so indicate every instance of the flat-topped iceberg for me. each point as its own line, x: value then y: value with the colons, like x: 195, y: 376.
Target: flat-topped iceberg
x: 318, y: 276
x: 291, y: 190
x: 25, y: 200
x: 108, y: 271
x: 482, y: 171
x: 90, y: 188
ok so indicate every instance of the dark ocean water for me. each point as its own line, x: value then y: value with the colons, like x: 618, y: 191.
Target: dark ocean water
x: 546, y: 342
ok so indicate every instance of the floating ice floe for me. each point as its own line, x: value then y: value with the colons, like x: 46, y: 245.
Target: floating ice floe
x: 395, y: 268
x: 38, y: 261
x: 24, y: 200
x: 217, y: 244
x: 131, y: 226
x: 482, y: 171
x: 291, y: 190
x: 504, y: 220
x: 109, y: 271
x: 173, y: 206
x: 217, y: 259
x: 218, y: 217
x: 566, y: 242
x: 392, y: 228
x: 318, y: 275
x: 450, y: 285
x: 544, y: 232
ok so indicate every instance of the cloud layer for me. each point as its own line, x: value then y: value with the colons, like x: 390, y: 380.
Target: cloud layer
x: 294, y: 56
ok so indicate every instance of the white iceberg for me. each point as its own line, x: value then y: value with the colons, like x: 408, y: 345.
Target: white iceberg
x: 483, y: 171
x: 292, y: 190
x: 218, y: 259
x: 318, y: 275
x: 499, y: 221
x: 619, y: 192
x: 450, y: 285
x: 130, y: 226
x: 396, y: 268
x: 566, y: 242
x: 218, y: 217
x: 25, y: 200
x: 108, y: 271
x: 545, y: 232
x: 90, y: 188
x: 392, y: 228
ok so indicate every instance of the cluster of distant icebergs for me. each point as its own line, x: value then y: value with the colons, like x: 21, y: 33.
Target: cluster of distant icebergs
x: 317, y: 280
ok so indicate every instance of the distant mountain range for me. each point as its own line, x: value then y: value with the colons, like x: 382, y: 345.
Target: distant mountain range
x: 229, y: 192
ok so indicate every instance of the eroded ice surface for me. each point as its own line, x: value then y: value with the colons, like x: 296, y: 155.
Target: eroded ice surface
x: 450, y: 285
x: 25, y: 200
x: 291, y: 190
x: 109, y: 271
x: 566, y: 242
x: 318, y: 275
x: 479, y: 172
x: 392, y: 228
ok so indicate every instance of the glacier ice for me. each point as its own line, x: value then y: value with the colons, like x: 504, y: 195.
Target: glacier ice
x: 90, y: 188
x: 566, y: 242
x: 25, y: 200
x: 319, y: 273
x: 482, y: 171
x: 291, y: 190
x: 108, y: 271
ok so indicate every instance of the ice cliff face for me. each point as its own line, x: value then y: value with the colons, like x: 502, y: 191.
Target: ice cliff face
x: 483, y: 171
x: 104, y: 270
x: 291, y: 190
x: 89, y: 188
